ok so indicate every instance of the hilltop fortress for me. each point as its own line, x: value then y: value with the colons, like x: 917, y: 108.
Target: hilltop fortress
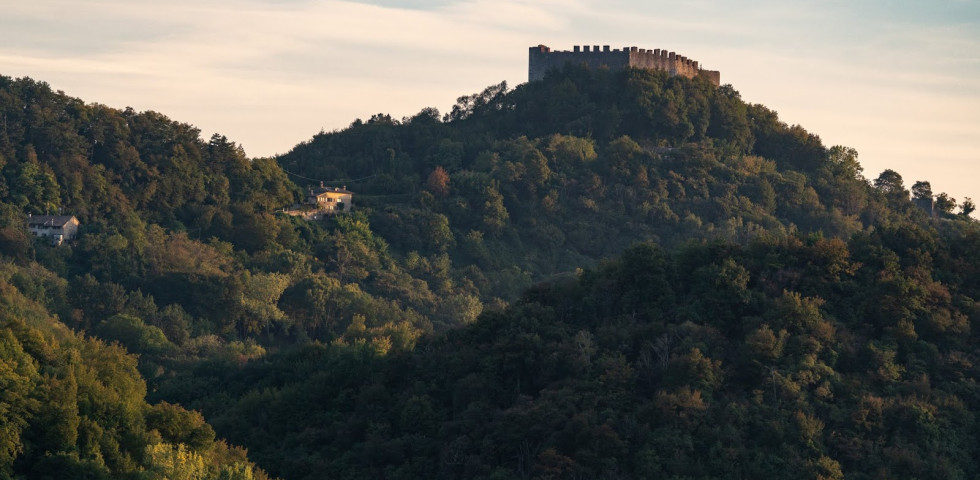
x: 541, y: 59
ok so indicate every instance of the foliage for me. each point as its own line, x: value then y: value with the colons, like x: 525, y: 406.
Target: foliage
x: 74, y: 407
x: 601, y: 274
x: 717, y: 361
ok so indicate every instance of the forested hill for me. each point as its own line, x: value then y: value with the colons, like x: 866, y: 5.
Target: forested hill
x: 770, y: 296
x: 556, y: 174
x: 783, y: 359
x: 797, y: 321
x: 147, y: 191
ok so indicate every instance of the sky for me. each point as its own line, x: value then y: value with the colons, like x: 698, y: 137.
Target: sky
x: 897, y: 80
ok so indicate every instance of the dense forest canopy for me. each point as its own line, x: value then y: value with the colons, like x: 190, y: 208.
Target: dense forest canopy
x: 601, y: 274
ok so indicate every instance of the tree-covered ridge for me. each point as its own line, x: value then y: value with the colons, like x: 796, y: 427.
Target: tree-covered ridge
x: 182, y: 234
x: 451, y: 216
x: 789, y: 357
x: 104, y: 165
x: 73, y: 407
x: 558, y: 174
x: 356, y: 346
x: 181, y: 256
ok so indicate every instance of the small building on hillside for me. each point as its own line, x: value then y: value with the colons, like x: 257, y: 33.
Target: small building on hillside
x: 330, y: 199
x: 58, y: 228
x: 323, y: 201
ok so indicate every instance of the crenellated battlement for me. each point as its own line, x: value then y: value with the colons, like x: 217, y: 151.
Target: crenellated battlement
x: 542, y: 58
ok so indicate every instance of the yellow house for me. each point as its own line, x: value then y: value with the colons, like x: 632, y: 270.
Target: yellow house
x: 331, y: 199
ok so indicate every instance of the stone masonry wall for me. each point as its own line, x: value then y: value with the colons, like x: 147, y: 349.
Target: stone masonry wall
x: 541, y: 59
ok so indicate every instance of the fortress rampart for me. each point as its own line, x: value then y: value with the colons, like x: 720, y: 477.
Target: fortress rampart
x: 541, y: 59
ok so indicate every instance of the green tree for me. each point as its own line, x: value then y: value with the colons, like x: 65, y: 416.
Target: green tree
x: 17, y: 378
x: 180, y: 427
x: 33, y: 186
x: 922, y: 190
x: 891, y: 186
x: 176, y: 462
x: 890, y: 182
x: 260, y: 300
x: 134, y: 334
x: 945, y: 203
x: 842, y: 164
x: 967, y: 207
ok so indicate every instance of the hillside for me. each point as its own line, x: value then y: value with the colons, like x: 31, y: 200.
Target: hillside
x: 72, y: 406
x: 558, y: 174
x: 791, y: 358
x: 481, y: 277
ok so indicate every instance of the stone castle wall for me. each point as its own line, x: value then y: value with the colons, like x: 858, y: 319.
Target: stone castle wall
x: 541, y: 59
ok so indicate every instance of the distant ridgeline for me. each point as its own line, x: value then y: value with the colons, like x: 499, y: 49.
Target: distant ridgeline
x: 541, y: 59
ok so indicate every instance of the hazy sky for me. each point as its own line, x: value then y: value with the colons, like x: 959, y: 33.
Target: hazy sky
x: 898, y: 80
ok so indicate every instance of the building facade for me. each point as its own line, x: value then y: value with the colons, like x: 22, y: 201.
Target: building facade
x: 331, y: 199
x: 322, y: 201
x: 58, y: 228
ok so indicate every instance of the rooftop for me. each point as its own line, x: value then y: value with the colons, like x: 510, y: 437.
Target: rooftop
x: 50, y: 220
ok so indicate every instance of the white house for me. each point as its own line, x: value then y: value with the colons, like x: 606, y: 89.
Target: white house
x: 57, y: 227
